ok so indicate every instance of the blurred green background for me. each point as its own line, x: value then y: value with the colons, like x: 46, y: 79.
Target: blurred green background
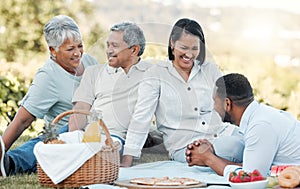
x: 261, y: 42
x: 23, y: 48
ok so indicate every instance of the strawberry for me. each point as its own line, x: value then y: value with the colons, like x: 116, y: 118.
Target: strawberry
x: 256, y: 176
x: 231, y: 179
x: 231, y: 175
x: 245, y: 178
x: 256, y: 172
x: 236, y: 179
x: 242, y: 173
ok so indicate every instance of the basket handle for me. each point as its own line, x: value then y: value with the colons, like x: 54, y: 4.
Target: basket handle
x: 108, y: 140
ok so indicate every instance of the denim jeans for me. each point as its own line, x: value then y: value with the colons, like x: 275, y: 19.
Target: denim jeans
x: 227, y: 147
x: 23, y: 158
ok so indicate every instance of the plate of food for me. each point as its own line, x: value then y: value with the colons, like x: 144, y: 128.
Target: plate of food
x: 160, y: 182
x: 247, y: 180
x: 262, y: 184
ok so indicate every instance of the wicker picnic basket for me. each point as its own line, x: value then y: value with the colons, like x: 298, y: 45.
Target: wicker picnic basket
x: 103, y: 167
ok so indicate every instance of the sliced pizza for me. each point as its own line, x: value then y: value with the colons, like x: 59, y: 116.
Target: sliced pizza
x: 165, y: 181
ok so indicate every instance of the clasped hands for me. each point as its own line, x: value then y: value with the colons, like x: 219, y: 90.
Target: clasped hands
x: 199, y: 152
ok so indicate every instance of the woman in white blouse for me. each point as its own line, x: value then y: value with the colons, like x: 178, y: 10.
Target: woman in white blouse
x: 178, y: 92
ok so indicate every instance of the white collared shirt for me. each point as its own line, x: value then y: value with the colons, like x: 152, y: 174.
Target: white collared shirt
x: 183, y: 110
x: 271, y: 136
x: 113, y: 92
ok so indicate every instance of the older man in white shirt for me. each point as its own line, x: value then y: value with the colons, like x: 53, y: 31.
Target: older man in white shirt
x: 112, y: 88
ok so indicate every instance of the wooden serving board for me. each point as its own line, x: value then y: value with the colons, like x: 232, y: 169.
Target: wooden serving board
x: 278, y: 187
x: 127, y: 184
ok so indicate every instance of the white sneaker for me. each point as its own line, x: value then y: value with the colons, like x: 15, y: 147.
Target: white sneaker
x: 2, y: 158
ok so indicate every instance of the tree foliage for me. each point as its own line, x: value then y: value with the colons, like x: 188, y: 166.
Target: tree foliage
x: 12, y: 90
x: 22, y: 42
x: 22, y: 22
x: 273, y: 85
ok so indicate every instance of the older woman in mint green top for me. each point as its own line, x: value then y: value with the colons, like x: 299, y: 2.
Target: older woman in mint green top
x: 49, y: 94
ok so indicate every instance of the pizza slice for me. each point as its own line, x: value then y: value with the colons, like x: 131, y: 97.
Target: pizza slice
x: 187, y: 181
x: 144, y: 181
x: 168, y: 182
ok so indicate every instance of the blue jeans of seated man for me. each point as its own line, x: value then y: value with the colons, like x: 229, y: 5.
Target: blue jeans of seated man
x: 227, y: 147
x: 23, y: 159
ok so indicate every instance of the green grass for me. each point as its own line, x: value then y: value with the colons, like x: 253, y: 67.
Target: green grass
x: 20, y: 181
x: 24, y: 181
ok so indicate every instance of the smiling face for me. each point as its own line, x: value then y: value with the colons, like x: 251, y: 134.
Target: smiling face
x: 68, y: 55
x: 117, y: 51
x: 186, y: 50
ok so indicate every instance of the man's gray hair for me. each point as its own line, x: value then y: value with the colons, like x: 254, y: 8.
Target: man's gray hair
x: 59, y: 29
x: 132, y: 35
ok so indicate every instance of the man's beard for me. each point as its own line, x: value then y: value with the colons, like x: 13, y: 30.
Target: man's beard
x: 227, y: 118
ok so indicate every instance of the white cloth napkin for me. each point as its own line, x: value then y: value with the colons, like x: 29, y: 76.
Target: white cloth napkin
x: 59, y: 161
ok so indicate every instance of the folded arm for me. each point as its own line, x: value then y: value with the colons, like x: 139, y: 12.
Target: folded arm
x: 201, y: 153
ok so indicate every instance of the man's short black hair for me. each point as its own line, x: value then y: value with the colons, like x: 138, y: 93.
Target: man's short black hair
x: 236, y: 87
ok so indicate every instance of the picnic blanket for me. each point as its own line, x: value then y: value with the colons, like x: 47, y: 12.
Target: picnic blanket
x: 171, y: 169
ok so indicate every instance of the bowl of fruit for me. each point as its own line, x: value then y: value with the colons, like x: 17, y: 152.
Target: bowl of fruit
x: 247, y: 180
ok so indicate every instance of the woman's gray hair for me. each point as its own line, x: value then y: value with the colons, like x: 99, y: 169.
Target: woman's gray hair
x: 59, y: 29
x: 132, y: 35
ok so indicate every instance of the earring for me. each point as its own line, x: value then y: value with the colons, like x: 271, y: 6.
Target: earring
x: 52, y: 57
